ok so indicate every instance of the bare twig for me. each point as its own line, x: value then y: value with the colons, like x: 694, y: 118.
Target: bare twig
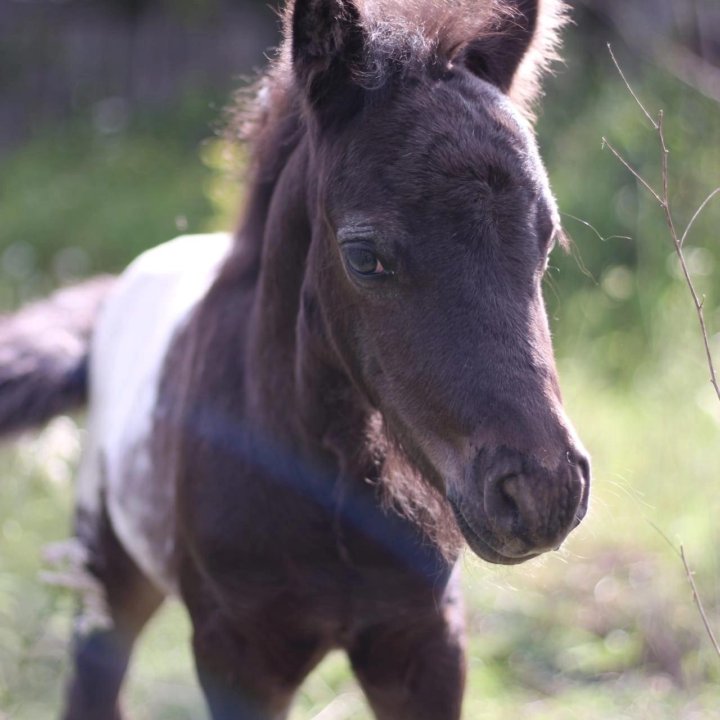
x: 663, y: 199
x: 687, y: 66
x: 691, y: 579
x: 697, y: 213
x: 632, y: 170
x: 698, y: 602
x: 628, y: 86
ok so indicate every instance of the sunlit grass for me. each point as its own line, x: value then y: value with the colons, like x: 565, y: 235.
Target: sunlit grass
x: 77, y: 201
x: 604, y: 628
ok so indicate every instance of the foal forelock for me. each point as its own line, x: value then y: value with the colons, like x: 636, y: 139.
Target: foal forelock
x: 411, y: 34
x: 401, y: 36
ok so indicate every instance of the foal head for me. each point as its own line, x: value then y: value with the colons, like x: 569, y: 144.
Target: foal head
x: 432, y: 221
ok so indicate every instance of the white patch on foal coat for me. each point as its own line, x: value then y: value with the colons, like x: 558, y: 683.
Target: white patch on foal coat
x: 151, y: 301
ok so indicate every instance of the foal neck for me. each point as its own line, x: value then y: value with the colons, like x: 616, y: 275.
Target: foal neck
x: 295, y: 389
x: 297, y: 392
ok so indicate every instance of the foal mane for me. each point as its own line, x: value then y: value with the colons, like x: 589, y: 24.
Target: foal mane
x: 402, y: 35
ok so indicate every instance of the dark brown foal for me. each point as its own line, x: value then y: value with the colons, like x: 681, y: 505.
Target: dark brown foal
x: 294, y: 427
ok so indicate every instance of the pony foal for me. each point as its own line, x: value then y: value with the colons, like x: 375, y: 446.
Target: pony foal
x: 294, y: 427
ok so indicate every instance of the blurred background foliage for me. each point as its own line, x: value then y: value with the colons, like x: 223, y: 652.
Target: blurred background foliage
x: 109, y: 143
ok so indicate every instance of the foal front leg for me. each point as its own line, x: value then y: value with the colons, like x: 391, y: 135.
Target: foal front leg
x: 250, y: 674
x: 414, y: 670
x: 249, y: 664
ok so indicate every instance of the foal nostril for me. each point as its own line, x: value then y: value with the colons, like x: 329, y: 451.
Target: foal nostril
x: 530, y: 512
x: 502, y: 503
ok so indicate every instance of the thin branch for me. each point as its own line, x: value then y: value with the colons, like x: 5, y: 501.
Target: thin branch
x: 691, y: 578
x: 662, y: 534
x: 701, y: 317
x: 686, y: 65
x: 698, y: 602
x: 634, y: 172
x: 697, y: 214
x: 664, y: 201
x: 678, y: 242
x: 629, y: 87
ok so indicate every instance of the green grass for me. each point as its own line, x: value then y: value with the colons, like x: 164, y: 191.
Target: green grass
x: 75, y: 201
x: 606, y: 628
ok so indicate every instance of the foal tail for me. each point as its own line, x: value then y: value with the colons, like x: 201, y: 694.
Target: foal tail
x: 44, y: 350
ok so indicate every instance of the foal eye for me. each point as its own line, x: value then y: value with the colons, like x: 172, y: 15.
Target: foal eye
x: 362, y: 260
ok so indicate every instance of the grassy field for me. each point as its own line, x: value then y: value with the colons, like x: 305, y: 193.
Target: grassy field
x: 605, y: 628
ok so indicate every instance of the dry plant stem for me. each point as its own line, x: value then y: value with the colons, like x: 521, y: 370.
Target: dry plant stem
x: 697, y: 214
x: 663, y: 199
x: 698, y: 602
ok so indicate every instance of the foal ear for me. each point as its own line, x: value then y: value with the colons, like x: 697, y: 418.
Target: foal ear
x: 328, y: 43
x: 496, y: 56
